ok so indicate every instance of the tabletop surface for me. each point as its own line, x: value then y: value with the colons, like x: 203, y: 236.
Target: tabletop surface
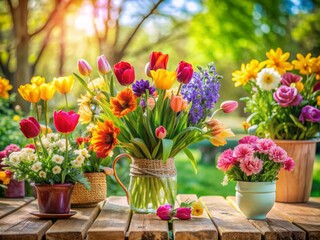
x: 112, y: 219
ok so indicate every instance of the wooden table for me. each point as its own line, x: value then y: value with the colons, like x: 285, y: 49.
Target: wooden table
x: 112, y: 219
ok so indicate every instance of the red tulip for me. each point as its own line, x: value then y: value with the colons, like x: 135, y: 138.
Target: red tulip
x: 65, y: 122
x: 158, y: 60
x: 84, y: 67
x: 124, y: 72
x: 30, y: 127
x: 161, y: 132
x: 229, y: 106
x: 183, y: 213
x: 184, y: 72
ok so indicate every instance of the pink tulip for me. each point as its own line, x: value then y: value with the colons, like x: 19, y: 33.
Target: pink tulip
x: 184, y: 72
x: 183, y: 213
x: 161, y: 132
x: 164, y: 212
x: 229, y: 106
x: 103, y: 65
x: 84, y: 67
x: 65, y: 122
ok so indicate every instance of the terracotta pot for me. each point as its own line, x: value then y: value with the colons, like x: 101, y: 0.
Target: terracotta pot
x: 54, y: 198
x: 296, y: 186
x: 82, y: 197
x: 15, y: 189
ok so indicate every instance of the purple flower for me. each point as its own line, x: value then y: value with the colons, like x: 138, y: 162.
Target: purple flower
x: 287, y: 96
x: 203, y: 92
x: 164, y: 212
x: 289, y: 78
x: 141, y: 87
x: 310, y: 114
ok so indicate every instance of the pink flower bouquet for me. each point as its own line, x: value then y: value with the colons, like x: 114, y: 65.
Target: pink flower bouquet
x: 254, y: 160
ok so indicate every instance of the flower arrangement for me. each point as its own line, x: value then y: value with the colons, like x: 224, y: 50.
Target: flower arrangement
x: 50, y: 159
x: 184, y: 212
x: 254, y: 160
x: 6, y: 175
x: 150, y: 119
x: 284, y: 96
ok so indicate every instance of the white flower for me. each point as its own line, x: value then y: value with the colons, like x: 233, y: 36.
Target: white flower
x: 14, y: 158
x: 225, y: 181
x: 84, y: 152
x: 56, y: 170
x: 27, y: 150
x: 42, y: 174
x: 57, y: 158
x: 80, y: 159
x: 32, y: 158
x: 268, y: 79
x: 110, y: 154
x: 90, y: 127
x: 36, y: 167
x: 76, y: 164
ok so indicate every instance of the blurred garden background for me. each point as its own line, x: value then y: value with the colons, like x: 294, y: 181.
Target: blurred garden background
x: 47, y: 37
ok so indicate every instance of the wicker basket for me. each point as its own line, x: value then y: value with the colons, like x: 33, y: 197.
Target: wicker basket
x: 81, y: 197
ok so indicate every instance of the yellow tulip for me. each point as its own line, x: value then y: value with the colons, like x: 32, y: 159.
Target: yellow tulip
x: 37, y: 80
x: 63, y: 84
x: 30, y: 92
x: 47, y: 90
x: 220, y: 139
x: 163, y: 79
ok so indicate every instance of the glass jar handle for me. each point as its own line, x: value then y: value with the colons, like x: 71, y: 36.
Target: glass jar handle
x: 116, y: 175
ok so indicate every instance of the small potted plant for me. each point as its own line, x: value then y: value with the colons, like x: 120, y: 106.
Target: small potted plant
x: 95, y: 170
x: 254, y: 163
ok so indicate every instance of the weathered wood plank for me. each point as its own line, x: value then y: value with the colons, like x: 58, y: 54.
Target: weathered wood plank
x: 75, y: 227
x: 148, y: 226
x: 198, y: 227
x: 22, y: 225
x: 230, y: 223
x: 304, y: 215
x: 9, y: 205
x: 274, y: 227
x: 113, y: 220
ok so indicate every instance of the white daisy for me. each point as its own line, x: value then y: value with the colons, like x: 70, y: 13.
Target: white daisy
x: 56, y: 170
x: 32, y: 158
x: 57, y: 158
x: 76, y: 164
x: 80, y: 159
x: 42, y: 174
x: 268, y: 79
x: 36, y: 167
x: 14, y: 159
x: 84, y: 152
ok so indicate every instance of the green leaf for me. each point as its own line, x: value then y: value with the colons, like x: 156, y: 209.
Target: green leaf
x: 297, y: 122
x: 166, y: 149
x: 83, y: 83
x: 142, y: 145
x: 155, y: 150
x: 192, y: 159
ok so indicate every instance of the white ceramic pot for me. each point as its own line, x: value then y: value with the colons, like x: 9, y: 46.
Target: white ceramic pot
x: 255, y: 199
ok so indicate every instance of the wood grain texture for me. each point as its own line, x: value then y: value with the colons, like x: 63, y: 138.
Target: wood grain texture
x: 75, y: 227
x: 147, y: 226
x: 22, y: 225
x: 304, y: 215
x: 113, y: 220
x: 198, y: 227
x: 9, y: 205
x: 274, y: 227
x: 230, y: 223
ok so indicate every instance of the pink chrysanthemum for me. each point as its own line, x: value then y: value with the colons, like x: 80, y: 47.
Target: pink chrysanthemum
x: 278, y: 154
x: 243, y: 151
x: 249, y: 140
x: 226, y: 160
x: 264, y: 145
x: 12, y: 148
x: 251, y: 165
x: 289, y: 164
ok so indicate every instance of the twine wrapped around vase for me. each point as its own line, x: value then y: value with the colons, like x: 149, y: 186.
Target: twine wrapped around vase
x: 154, y: 168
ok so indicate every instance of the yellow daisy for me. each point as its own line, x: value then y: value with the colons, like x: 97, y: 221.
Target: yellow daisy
x: 278, y: 61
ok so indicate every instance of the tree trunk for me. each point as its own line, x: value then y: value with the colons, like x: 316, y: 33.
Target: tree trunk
x: 23, y: 71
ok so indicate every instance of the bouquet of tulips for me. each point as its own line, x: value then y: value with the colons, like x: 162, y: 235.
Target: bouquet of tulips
x: 49, y: 159
x: 254, y: 160
x: 284, y: 96
x: 149, y: 118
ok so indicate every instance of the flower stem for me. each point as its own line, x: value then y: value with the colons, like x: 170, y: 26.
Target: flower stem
x: 46, y: 115
x: 37, y: 112
x: 65, y: 96
x: 179, y: 89
x: 64, y: 170
x: 35, y: 145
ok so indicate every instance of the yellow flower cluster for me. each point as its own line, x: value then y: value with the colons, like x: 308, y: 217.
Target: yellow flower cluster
x: 278, y: 61
x: 4, y: 88
x: 39, y: 89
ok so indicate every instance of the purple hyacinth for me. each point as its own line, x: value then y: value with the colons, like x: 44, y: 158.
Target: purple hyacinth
x: 141, y: 87
x: 203, y: 92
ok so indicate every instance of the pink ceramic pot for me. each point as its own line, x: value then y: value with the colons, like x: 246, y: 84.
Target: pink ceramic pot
x: 15, y: 189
